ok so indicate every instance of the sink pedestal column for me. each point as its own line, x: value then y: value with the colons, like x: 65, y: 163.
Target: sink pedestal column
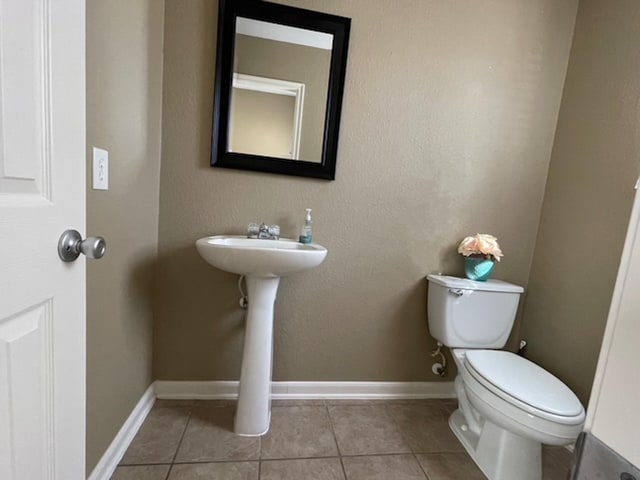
x: 254, y: 399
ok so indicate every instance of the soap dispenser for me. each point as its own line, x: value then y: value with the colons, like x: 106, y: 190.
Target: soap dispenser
x: 305, y: 232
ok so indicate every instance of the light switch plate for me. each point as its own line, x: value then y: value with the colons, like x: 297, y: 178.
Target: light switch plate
x: 100, y: 169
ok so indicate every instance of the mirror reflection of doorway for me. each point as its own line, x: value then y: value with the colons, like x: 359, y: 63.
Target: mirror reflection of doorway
x: 270, y: 58
x: 266, y: 116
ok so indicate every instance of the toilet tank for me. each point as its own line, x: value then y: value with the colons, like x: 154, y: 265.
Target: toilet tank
x: 467, y: 314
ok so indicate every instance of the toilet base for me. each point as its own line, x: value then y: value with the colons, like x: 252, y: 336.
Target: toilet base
x: 500, y: 454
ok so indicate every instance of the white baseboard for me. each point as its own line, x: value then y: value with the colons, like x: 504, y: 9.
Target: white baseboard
x: 221, y: 390
x: 109, y: 461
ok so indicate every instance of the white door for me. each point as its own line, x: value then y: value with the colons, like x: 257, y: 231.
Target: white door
x: 42, y: 193
x: 613, y: 415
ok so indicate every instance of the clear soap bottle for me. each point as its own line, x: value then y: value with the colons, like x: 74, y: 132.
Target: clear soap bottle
x: 305, y: 232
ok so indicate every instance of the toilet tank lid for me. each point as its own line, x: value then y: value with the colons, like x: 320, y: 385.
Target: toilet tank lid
x: 466, y: 284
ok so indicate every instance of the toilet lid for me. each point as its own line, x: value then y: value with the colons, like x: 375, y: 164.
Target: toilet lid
x: 523, y: 380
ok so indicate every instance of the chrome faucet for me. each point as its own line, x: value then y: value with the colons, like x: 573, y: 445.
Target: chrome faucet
x: 263, y: 231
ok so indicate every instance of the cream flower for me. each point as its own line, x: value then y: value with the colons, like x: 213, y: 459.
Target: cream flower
x: 481, y: 244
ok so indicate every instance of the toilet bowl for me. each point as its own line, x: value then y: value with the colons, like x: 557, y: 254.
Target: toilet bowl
x: 507, y: 405
x: 511, y: 417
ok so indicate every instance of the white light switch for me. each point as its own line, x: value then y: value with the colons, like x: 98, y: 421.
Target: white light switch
x: 100, y: 169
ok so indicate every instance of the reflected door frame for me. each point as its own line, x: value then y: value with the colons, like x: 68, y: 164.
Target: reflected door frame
x: 277, y: 87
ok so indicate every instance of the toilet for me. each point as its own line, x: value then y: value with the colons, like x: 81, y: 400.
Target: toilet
x: 507, y: 406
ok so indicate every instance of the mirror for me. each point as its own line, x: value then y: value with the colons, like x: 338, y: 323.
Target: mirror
x: 278, y: 88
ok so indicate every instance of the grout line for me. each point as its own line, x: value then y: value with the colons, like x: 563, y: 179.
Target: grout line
x: 202, y: 462
x: 335, y: 439
x: 333, y: 430
x: 169, y: 472
x: 426, y: 475
x: 344, y: 471
x: 288, y: 459
x: 414, y: 454
x: 266, y: 460
x: 437, y: 452
x: 186, y: 425
x: 387, y: 454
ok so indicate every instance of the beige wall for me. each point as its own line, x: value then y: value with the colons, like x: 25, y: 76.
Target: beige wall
x: 595, y: 163
x: 295, y: 63
x: 448, y: 121
x: 262, y: 123
x: 124, y: 81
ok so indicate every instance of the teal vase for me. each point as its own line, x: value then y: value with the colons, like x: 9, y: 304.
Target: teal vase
x: 478, y: 269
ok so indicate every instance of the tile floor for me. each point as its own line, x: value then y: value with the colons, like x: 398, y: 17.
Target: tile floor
x: 308, y: 440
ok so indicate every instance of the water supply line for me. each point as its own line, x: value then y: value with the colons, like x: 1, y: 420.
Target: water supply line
x: 244, y: 300
x: 522, y: 348
x: 439, y: 368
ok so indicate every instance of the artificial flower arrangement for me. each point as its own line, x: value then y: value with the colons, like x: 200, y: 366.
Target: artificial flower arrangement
x: 481, y: 245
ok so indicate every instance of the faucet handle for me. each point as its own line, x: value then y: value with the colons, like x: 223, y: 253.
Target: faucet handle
x: 274, y: 231
x: 253, y: 230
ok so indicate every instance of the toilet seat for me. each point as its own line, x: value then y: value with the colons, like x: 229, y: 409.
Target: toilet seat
x: 508, y: 412
x: 524, y: 385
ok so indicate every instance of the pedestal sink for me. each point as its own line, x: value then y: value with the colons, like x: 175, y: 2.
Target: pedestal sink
x: 262, y: 262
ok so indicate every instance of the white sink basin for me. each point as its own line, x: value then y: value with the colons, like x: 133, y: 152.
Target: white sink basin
x: 259, y: 258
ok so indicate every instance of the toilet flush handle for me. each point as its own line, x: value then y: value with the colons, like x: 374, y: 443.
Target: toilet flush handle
x: 459, y: 292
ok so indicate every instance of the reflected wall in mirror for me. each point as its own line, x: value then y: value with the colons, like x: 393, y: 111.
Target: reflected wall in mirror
x: 278, y: 93
x: 266, y: 116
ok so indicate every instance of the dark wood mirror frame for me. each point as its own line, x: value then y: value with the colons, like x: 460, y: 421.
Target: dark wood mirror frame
x: 337, y: 26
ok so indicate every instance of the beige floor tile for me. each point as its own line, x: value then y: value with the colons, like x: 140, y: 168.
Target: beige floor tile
x: 450, y: 466
x: 215, y: 471
x: 305, y: 469
x: 209, y: 437
x: 556, y: 463
x: 383, y: 467
x: 366, y: 430
x: 425, y: 426
x: 158, y: 438
x: 141, y: 472
x: 299, y: 431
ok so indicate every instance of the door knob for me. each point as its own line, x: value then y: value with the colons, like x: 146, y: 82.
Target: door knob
x: 71, y: 245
